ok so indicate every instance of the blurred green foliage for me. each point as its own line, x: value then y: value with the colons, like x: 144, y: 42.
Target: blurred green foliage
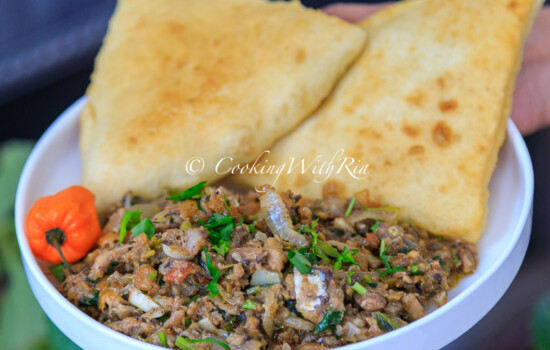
x: 23, y: 324
x: 540, y: 324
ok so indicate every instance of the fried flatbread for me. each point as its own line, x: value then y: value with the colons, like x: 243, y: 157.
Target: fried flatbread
x: 425, y: 106
x: 179, y: 79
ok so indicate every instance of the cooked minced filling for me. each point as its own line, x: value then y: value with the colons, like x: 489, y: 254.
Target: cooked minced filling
x: 210, y: 269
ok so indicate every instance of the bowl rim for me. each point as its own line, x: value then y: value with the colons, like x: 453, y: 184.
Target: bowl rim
x: 64, y: 120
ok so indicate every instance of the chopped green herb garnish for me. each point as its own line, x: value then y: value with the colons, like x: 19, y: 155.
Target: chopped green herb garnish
x: 187, y: 322
x: 346, y: 257
x: 230, y: 324
x: 319, y: 248
x: 300, y: 261
x: 57, y: 272
x: 375, y: 226
x: 252, y: 228
x: 90, y: 301
x: 227, y: 207
x: 337, y: 231
x: 144, y: 226
x: 163, y: 318
x: 291, y: 306
x: 414, y: 269
x: 348, y: 278
x: 214, y: 272
x: 153, y: 276
x: 220, y: 228
x: 162, y: 338
x: 455, y: 258
x: 330, y: 320
x: 368, y: 280
x: 439, y: 238
x: 253, y: 290
x: 384, y: 323
x: 249, y: 305
x: 187, y: 344
x: 389, y: 269
x: 359, y: 288
x: 350, y: 207
x: 129, y: 220
x: 190, y: 193
x: 111, y: 267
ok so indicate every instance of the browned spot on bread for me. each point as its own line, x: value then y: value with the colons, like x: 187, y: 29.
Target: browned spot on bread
x: 132, y: 140
x: 443, y: 189
x: 448, y: 105
x: 300, y: 56
x: 441, y: 82
x: 410, y: 131
x: 416, y: 149
x: 512, y: 5
x: 416, y: 98
x: 387, y: 163
x: 348, y: 110
x: 442, y: 134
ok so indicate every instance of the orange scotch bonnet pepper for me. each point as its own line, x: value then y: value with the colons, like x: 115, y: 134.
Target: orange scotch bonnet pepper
x: 63, y: 227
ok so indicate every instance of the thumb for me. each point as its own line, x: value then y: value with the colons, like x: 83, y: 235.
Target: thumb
x: 531, y: 105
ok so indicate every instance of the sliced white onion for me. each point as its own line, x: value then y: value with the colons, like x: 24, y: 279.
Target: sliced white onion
x: 389, y: 215
x: 261, y: 277
x: 207, y: 325
x: 298, y: 323
x: 172, y: 252
x: 278, y: 220
x: 270, y: 308
x: 145, y: 303
x: 261, y: 236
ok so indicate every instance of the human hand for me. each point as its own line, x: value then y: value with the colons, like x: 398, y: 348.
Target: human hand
x: 531, y: 105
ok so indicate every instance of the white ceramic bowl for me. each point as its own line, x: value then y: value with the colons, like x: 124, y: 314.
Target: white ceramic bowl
x: 55, y: 164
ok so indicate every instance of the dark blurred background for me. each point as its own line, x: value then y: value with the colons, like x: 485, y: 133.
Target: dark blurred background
x: 47, y: 48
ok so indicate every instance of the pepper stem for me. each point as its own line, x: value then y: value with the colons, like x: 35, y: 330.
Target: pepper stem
x: 56, y: 237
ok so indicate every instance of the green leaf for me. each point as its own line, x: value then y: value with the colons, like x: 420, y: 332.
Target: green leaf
x: 348, y: 278
x: 57, y: 272
x: 162, y: 338
x: 152, y: 276
x: 375, y: 226
x: 300, y: 261
x: 540, y: 323
x: 331, y: 319
x: 249, y: 305
x: 190, y: 193
x: 187, y: 344
x: 220, y: 228
x: 384, y: 323
x: 230, y: 324
x: 319, y: 248
x: 129, y: 220
x: 214, y: 272
x: 346, y: 257
x: 253, y: 290
x: 368, y: 280
x: 350, y: 207
x: 359, y: 288
x: 90, y: 301
x: 144, y: 226
x: 389, y: 269
x: 193, y: 299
